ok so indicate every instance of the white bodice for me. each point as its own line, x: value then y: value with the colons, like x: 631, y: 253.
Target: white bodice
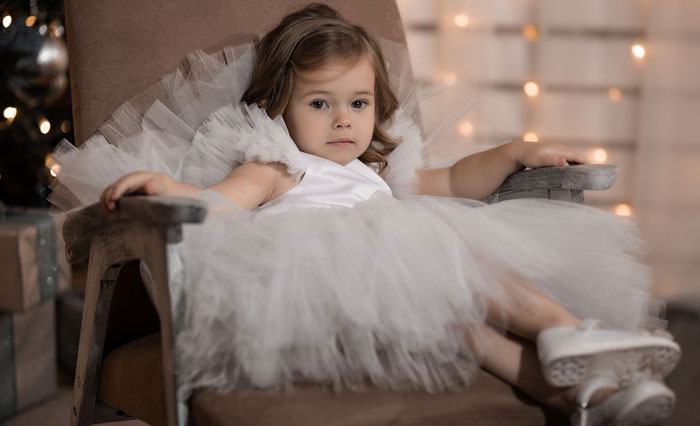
x: 327, y: 183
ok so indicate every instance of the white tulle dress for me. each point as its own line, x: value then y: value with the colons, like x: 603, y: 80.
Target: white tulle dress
x: 348, y: 277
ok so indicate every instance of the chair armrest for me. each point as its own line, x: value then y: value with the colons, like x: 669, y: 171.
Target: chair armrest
x: 545, y: 181
x: 141, y: 228
x: 166, y: 212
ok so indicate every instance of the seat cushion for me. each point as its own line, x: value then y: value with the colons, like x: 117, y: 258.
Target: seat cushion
x: 488, y: 401
x: 131, y: 379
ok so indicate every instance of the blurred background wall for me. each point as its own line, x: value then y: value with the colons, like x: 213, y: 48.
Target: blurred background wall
x: 618, y: 80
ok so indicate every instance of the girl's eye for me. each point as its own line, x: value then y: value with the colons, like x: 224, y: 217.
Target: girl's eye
x: 359, y: 104
x: 319, y: 104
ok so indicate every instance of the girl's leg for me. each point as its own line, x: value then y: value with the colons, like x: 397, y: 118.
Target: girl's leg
x: 526, y: 320
x: 515, y: 361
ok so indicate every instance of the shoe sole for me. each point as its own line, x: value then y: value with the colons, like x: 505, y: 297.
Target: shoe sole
x: 654, y: 411
x: 653, y: 361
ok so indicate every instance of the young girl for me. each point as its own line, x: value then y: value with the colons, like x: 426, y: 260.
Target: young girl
x: 309, y: 268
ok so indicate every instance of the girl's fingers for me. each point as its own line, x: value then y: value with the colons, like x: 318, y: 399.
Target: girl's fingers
x: 114, y: 191
x: 576, y: 157
x: 104, y: 199
x: 143, y: 182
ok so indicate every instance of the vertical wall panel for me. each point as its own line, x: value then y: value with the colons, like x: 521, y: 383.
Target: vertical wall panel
x: 587, y: 117
x: 599, y: 14
x: 588, y: 62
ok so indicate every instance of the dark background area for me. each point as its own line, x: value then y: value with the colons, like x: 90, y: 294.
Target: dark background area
x: 34, y: 90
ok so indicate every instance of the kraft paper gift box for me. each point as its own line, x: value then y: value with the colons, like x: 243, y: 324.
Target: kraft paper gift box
x: 27, y: 357
x: 33, y: 266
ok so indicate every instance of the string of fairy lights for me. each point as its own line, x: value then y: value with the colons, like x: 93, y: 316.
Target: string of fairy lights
x: 533, y: 89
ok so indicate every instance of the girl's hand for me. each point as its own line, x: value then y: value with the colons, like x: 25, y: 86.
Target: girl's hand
x: 147, y: 183
x: 544, y: 154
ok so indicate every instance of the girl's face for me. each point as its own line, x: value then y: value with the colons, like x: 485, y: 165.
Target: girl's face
x: 331, y: 111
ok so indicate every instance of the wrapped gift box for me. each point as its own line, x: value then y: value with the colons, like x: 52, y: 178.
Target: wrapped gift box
x: 32, y: 255
x: 27, y: 357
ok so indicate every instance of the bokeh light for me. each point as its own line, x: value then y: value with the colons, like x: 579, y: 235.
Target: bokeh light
x: 615, y: 94
x: 531, y: 89
x: 9, y: 113
x: 623, y: 210
x: 466, y: 128
x: 461, y: 20
x: 531, y: 137
x: 44, y: 126
x: 600, y: 156
x: 638, y: 51
x: 530, y: 32
x: 66, y: 126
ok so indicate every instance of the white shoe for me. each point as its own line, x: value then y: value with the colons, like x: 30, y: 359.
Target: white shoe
x: 645, y: 403
x: 570, y: 355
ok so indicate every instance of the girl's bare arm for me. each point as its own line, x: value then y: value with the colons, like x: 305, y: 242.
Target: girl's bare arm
x: 478, y: 175
x: 248, y: 185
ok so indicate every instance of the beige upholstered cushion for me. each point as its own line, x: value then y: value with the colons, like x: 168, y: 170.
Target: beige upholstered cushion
x: 132, y: 380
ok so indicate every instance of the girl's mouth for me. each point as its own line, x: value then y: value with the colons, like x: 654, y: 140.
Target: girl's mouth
x: 341, y: 142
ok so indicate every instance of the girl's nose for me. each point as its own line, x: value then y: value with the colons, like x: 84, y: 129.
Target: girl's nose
x: 342, y: 121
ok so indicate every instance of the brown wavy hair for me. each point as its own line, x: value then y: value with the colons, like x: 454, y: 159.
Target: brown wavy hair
x: 309, y: 39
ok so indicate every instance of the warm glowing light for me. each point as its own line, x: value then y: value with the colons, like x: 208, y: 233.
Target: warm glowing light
x: 6, y: 21
x: 615, y: 94
x: 44, y: 126
x: 531, y: 89
x: 56, y: 29
x: 466, y: 128
x: 65, y: 126
x: 450, y: 78
x: 623, y: 210
x: 10, y: 113
x: 55, y: 170
x: 639, y: 51
x: 530, y: 137
x: 31, y: 20
x: 52, y: 165
x: 530, y: 32
x: 600, y: 156
x: 461, y: 20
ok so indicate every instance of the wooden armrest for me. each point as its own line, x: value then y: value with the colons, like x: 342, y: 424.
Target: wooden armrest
x: 165, y: 212
x: 140, y: 228
x: 570, y: 178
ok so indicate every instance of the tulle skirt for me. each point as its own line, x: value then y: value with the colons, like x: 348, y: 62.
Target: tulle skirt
x: 386, y: 290
x: 382, y: 292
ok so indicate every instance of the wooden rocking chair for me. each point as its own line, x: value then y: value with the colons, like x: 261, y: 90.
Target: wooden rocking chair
x: 125, y: 360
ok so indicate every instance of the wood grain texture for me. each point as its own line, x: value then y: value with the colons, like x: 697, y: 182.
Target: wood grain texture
x: 113, y: 245
x: 557, y: 183
x: 98, y: 296
x: 82, y: 226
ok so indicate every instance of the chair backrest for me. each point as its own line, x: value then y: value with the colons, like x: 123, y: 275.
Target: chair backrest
x: 118, y: 49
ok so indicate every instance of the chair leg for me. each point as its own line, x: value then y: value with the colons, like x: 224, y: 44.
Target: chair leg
x: 98, y: 297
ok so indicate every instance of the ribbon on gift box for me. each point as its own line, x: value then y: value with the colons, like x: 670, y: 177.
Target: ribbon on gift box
x: 46, y: 248
x: 27, y: 357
